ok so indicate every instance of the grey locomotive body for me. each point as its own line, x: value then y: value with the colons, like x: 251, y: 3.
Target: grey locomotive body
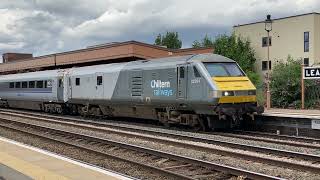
x: 186, y: 90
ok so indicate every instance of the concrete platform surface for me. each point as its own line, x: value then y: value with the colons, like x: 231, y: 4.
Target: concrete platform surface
x: 298, y: 113
x: 19, y: 161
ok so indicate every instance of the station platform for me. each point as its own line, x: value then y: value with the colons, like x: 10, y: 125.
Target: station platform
x: 294, y: 113
x: 22, y: 162
x: 294, y: 122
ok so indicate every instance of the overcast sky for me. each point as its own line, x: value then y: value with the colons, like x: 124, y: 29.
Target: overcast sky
x: 48, y: 26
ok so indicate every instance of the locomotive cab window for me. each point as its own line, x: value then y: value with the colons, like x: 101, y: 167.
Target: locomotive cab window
x: 223, y: 69
x: 18, y: 84
x: 11, y: 85
x: 99, y: 80
x: 45, y: 84
x: 77, y: 81
x: 31, y: 84
x: 24, y: 84
x: 39, y: 84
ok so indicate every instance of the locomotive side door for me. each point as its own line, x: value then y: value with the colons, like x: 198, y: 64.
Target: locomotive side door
x: 182, y: 80
x: 99, y: 86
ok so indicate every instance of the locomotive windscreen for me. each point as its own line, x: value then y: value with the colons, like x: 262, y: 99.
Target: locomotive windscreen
x: 223, y: 69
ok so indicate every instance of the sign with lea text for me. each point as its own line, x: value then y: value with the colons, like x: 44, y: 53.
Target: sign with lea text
x: 311, y: 72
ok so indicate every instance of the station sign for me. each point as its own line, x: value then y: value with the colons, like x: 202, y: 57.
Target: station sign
x: 311, y: 72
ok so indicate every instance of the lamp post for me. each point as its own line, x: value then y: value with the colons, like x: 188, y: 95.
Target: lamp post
x: 268, y: 28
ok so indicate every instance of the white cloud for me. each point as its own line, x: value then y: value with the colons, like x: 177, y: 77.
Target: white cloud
x: 12, y: 45
x: 46, y: 26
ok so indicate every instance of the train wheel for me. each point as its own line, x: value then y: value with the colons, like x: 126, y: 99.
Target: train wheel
x: 74, y: 109
x: 46, y: 109
x: 59, y: 110
x: 203, y: 123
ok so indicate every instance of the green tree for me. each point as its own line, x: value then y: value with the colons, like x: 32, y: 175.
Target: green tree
x: 205, y: 42
x: 236, y: 48
x: 170, y: 40
x: 286, y: 84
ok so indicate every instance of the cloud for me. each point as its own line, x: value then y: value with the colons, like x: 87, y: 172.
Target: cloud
x: 46, y: 26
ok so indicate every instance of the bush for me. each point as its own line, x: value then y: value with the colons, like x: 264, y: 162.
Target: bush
x: 286, y: 84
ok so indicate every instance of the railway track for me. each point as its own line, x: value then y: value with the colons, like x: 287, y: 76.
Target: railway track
x: 314, y: 159
x: 295, y: 141
x: 279, y: 137
x: 172, y: 165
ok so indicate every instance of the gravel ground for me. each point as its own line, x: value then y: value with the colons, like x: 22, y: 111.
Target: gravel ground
x: 253, y: 166
x: 102, y: 161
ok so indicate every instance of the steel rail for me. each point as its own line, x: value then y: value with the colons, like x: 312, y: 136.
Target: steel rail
x: 266, y: 150
x: 216, y: 150
x: 214, y: 166
x: 281, y: 136
x: 282, y: 139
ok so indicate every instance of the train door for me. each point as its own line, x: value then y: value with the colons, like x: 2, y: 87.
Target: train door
x: 99, y: 86
x: 60, y: 88
x: 182, y: 80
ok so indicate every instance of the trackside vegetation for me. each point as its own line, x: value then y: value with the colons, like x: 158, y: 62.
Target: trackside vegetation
x: 286, y: 86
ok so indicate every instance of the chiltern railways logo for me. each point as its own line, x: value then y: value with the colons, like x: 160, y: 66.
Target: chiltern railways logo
x: 161, y: 88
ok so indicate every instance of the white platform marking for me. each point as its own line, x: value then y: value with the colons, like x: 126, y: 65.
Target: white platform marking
x: 103, y: 171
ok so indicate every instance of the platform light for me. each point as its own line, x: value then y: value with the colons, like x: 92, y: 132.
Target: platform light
x: 268, y: 28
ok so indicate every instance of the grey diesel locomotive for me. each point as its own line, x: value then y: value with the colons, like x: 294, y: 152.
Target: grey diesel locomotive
x: 205, y: 91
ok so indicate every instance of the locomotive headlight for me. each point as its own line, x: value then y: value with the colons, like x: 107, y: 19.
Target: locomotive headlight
x: 227, y: 93
x: 252, y: 92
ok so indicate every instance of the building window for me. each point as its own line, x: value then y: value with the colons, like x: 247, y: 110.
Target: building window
x: 265, y: 41
x: 270, y: 67
x: 99, y: 80
x: 77, y: 81
x: 31, y: 84
x: 25, y: 84
x: 265, y: 65
x: 11, y: 85
x: 306, y: 61
x: 306, y: 41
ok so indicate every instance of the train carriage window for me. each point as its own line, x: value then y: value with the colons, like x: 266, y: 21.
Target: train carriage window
x: 99, y: 80
x: 24, y: 84
x: 181, y: 72
x: 11, y: 85
x: 196, y: 72
x: 39, y: 84
x: 77, y: 81
x: 18, y: 84
x: 31, y: 84
x: 45, y: 84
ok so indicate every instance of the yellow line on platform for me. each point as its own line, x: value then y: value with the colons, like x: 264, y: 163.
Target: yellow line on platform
x: 28, y: 169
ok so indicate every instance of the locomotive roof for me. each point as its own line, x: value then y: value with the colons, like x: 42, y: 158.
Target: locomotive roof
x: 208, y: 57
x: 115, y: 67
x: 172, y: 61
x: 151, y: 63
